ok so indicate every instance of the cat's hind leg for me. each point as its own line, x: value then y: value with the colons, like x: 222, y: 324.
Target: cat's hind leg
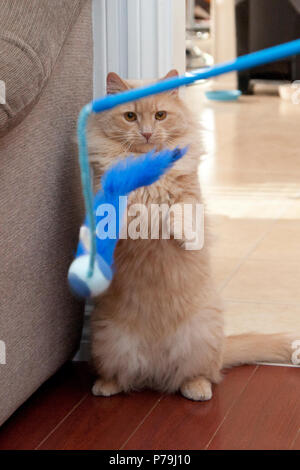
x: 105, y: 388
x: 198, y: 389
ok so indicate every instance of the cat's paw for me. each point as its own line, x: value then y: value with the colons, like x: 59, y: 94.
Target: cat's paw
x: 198, y: 389
x: 105, y: 388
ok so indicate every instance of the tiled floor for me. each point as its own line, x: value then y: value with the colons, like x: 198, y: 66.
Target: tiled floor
x: 250, y: 174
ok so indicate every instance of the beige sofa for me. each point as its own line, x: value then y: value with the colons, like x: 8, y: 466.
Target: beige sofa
x: 46, y: 64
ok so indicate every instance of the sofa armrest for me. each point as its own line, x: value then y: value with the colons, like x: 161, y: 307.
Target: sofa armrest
x: 32, y: 34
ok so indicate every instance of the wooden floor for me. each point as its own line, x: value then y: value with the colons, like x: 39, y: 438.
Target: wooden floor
x: 255, y: 407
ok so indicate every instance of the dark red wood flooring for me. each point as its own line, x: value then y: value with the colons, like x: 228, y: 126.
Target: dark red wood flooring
x: 255, y: 407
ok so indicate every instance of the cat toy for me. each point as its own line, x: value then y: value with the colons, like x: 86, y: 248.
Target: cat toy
x: 91, y: 272
x: 117, y: 182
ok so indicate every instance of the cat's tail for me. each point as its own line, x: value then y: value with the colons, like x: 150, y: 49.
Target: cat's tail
x: 250, y: 348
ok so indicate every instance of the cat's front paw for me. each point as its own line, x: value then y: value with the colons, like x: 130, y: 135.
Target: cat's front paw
x: 105, y: 388
x: 198, y: 389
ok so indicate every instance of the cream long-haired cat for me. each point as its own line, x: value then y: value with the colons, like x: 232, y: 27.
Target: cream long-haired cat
x: 160, y: 323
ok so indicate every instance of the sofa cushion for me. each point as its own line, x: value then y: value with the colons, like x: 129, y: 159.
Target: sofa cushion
x: 32, y: 34
x: 40, y: 211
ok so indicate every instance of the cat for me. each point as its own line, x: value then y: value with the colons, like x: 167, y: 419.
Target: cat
x: 160, y: 323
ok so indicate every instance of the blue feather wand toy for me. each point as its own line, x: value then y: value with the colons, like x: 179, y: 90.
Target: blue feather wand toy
x: 120, y: 180
x: 92, y: 270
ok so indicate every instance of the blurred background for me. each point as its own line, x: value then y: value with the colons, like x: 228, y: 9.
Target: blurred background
x: 219, y: 30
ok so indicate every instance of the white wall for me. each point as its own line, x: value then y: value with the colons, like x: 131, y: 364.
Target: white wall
x: 223, y: 30
x: 137, y: 38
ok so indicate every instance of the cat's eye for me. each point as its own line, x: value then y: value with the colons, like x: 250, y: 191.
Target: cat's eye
x: 160, y: 115
x: 130, y: 116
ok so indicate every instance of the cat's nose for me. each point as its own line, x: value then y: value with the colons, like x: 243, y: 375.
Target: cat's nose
x: 147, y: 135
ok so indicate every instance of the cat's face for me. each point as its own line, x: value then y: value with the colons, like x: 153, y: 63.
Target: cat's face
x: 153, y: 122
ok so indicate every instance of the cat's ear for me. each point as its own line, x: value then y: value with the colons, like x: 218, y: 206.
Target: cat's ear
x: 115, y: 84
x: 172, y: 74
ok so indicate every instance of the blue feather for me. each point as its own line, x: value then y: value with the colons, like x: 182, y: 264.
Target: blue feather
x: 134, y: 172
x: 124, y: 177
